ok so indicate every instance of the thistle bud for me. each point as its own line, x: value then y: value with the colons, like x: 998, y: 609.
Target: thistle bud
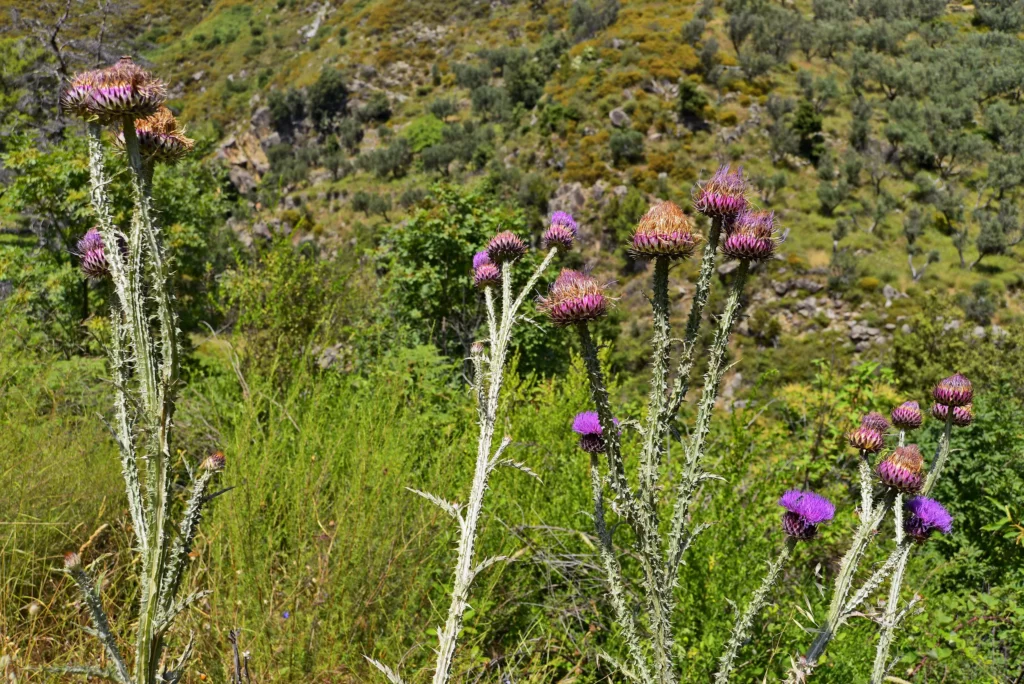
x: 106, y: 95
x: 214, y: 461
x: 751, y: 237
x: 72, y: 561
x: 722, y: 197
x: 505, y: 246
x: 925, y: 517
x: 561, y: 231
x: 588, y: 426
x: 876, y: 421
x: 574, y: 298
x: 487, y: 275
x: 664, y: 231
x: 962, y: 415
x: 160, y: 139
x: 907, y: 416
x: 476, y: 349
x: 93, y: 255
x: 804, y: 512
x: 901, y: 469
x: 866, y: 439
x: 955, y: 390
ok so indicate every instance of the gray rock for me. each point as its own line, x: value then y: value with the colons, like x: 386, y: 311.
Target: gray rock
x: 952, y: 325
x: 198, y: 76
x: 862, y: 346
x: 243, y: 181
x: 906, y: 329
x: 890, y: 326
x: 979, y: 332
x: 728, y: 267
x: 780, y: 288
x: 807, y: 284
x: 619, y: 118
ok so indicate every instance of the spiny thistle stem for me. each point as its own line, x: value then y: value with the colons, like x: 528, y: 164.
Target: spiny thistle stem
x: 741, y: 630
x: 656, y: 429
x: 99, y: 620
x: 692, y: 473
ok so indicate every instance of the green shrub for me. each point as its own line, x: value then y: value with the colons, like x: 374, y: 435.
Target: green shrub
x: 626, y: 146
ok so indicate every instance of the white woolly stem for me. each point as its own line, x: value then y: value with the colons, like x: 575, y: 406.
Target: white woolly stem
x: 100, y: 623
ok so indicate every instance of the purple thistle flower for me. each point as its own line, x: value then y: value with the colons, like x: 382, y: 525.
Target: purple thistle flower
x: 505, y: 246
x: 907, y: 416
x: 106, y: 95
x: 751, y: 237
x: 574, y: 298
x: 487, y: 275
x: 723, y: 196
x: 93, y: 255
x: 926, y: 516
x: 866, y: 439
x: 804, y: 512
x: 956, y: 390
x: 561, y: 231
x: 901, y: 469
x: 480, y: 258
x: 962, y: 415
x: 664, y: 231
x: 588, y: 426
x: 876, y: 421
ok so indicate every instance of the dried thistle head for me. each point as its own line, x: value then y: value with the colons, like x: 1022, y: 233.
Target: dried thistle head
x: 901, y: 469
x: 107, y: 95
x: 805, y: 510
x: 925, y: 517
x: 752, y: 236
x: 723, y: 196
x: 160, y: 138
x: 574, y: 298
x: 664, y: 231
x: 907, y: 416
x: 561, y: 231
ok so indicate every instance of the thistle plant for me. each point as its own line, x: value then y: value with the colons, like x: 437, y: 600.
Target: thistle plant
x: 902, y: 474
x: 664, y: 235
x: 144, y: 356
x: 491, y: 270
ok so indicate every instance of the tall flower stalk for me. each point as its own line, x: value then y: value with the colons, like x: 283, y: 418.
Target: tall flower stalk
x: 664, y: 235
x: 144, y: 360
x: 492, y: 269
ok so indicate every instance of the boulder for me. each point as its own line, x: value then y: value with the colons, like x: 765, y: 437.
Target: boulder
x: 619, y: 118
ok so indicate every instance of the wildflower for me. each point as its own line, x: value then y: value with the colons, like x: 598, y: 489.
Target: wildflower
x: 214, y: 461
x: 106, y: 95
x: 160, y: 139
x: 588, y: 426
x: 866, y: 439
x: 505, y: 246
x: 480, y: 258
x: 93, y: 255
x: 574, y: 298
x: 723, y: 195
x: 926, y: 516
x: 955, y: 390
x: 72, y: 561
x: 561, y: 231
x: 907, y: 416
x: 876, y: 421
x: 804, y: 512
x: 752, y: 236
x: 901, y: 470
x: 487, y: 275
x: 962, y: 415
x: 665, y: 231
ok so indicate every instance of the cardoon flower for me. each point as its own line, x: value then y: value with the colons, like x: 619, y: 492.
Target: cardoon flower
x: 574, y: 298
x: 962, y: 415
x: 876, y: 421
x: 486, y: 275
x: 866, y: 439
x: 160, y: 139
x: 751, y: 237
x: 664, y: 231
x: 93, y: 255
x: 955, y: 390
x: 907, y: 416
x: 926, y: 516
x: 901, y: 469
x: 505, y: 246
x: 804, y: 512
x: 561, y: 231
x: 106, y: 95
x: 214, y: 461
x: 723, y: 196
x: 588, y: 426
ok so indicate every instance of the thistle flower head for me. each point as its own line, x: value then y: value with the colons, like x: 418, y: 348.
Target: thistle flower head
x: 876, y: 421
x: 907, y: 416
x: 723, y: 196
x: 664, y: 231
x: 72, y: 561
x: 486, y: 275
x: 93, y: 255
x: 106, y: 95
x: 505, y: 246
x: 588, y: 426
x: 926, y: 516
x: 751, y: 236
x: 214, y: 461
x: 866, y: 439
x: 955, y: 390
x: 574, y: 298
x: 901, y: 469
x: 962, y: 415
x: 561, y: 231
x: 480, y: 258
x: 160, y: 139
x: 804, y: 512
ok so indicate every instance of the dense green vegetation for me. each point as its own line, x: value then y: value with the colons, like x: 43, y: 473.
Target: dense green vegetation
x: 321, y: 266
